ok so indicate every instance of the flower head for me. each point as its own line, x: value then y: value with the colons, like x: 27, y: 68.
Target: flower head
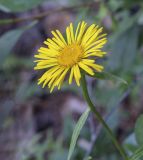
x: 72, y: 55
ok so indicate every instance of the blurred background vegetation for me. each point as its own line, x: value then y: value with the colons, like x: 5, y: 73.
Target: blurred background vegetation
x: 36, y: 125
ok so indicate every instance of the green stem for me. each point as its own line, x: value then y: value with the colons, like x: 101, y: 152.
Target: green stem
x: 100, y: 119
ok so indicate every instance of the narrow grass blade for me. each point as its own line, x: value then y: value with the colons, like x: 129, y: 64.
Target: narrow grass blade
x: 76, y: 132
x: 138, y: 155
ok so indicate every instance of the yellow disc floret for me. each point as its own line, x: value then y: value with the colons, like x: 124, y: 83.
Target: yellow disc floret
x: 70, y: 55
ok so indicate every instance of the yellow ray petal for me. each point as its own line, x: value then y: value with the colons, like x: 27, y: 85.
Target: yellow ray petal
x: 45, y: 66
x: 58, y: 43
x: 97, y: 67
x: 51, y: 45
x: 57, y: 38
x: 89, y: 32
x: 77, y: 30
x: 61, y: 36
x: 77, y: 74
x: 47, y: 75
x: 62, y: 76
x: 71, y: 32
x: 81, y: 32
x: 68, y: 35
x: 93, y: 38
x: 86, y: 68
x: 71, y: 76
x: 41, y: 56
x: 55, y: 76
x: 48, y: 52
x: 97, y: 54
x: 96, y: 45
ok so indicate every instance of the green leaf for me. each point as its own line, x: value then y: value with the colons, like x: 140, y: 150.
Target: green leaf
x: 123, y: 46
x: 129, y: 3
x: 76, y: 132
x: 7, y: 42
x: 138, y: 154
x: 139, y: 130
x: 18, y: 5
x: 9, y: 39
x: 130, y: 143
x: 89, y: 158
x: 109, y: 76
x: 114, y: 5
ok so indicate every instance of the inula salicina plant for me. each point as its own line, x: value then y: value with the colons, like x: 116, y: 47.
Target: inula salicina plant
x: 75, y: 56
x: 78, y: 59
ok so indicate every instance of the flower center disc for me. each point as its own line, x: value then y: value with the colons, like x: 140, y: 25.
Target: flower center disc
x: 70, y: 55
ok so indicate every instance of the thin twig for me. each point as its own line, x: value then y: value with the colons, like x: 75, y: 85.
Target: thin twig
x: 44, y: 14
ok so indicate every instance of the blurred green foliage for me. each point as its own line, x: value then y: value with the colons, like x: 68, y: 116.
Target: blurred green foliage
x: 139, y: 130
x: 18, y: 6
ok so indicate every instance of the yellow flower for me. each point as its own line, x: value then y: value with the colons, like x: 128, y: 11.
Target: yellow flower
x: 72, y: 55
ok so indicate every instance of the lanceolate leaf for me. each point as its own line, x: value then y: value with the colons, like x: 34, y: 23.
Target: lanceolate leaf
x: 139, y: 130
x: 109, y: 76
x: 76, y: 132
x: 9, y: 39
x: 18, y: 5
x: 7, y: 42
x: 124, y: 49
x: 138, y: 155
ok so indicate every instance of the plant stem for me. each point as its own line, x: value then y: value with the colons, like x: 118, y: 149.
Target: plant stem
x: 100, y: 119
